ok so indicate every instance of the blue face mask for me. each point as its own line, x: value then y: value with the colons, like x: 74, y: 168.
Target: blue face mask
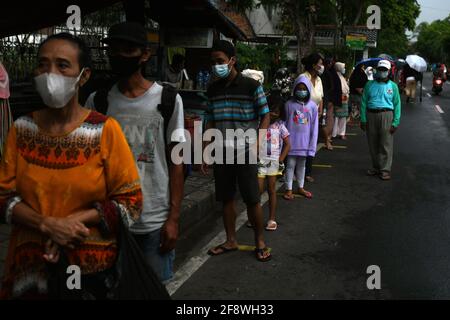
x: 301, y: 94
x: 382, y: 74
x: 221, y: 70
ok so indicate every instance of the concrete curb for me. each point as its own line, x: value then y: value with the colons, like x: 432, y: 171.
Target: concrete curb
x: 199, y: 200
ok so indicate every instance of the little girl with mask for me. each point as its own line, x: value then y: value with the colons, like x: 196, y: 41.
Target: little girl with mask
x: 301, y: 122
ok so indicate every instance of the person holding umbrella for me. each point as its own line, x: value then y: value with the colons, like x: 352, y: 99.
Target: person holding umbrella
x: 411, y: 76
x: 380, y: 118
x: 418, y: 64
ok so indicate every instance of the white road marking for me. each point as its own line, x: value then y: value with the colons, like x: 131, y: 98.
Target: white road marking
x: 429, y: 95
x: 438, y: 108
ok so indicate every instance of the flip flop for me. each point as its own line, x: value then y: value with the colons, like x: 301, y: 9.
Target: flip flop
x: 309, y: 179
x: 271, y: 225
x: 288, y: 197
x: 260, y: 252
x: 307, y: 194
x: 221, y: 247
x: 385, y: 176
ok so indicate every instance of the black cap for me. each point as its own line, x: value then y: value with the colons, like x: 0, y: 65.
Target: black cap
x: 132, y: 32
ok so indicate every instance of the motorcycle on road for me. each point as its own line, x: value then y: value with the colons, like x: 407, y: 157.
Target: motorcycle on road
x: 438, y: 83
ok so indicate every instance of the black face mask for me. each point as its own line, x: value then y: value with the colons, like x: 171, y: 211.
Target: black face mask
x: 124, y: 67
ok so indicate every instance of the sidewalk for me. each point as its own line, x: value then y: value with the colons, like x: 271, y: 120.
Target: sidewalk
x: 198, y: 204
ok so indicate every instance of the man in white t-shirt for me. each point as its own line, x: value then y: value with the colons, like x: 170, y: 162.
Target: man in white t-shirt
x: 133, y: 101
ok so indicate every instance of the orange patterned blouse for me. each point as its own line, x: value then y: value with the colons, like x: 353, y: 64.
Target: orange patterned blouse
x: 89, y: 167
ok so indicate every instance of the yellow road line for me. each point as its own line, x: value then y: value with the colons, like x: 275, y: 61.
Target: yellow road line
x: 351, y: 134
x: 322, y: 166
x: 339, y: 147
x: 244, y: 247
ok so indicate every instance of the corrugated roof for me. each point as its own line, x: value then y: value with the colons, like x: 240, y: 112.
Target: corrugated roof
x: 20, y: 17
x: 238, y: 19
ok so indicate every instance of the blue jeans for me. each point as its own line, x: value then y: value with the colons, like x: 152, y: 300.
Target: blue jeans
x: 162, y: 264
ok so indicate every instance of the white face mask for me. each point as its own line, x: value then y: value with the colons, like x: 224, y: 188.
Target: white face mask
x: 56, y: 90
x: 321, y: 70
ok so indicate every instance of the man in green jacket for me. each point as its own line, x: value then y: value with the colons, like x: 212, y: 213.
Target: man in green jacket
x: 380, y: 117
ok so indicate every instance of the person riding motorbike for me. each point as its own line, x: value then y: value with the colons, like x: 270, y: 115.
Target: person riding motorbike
x: 439, y: 77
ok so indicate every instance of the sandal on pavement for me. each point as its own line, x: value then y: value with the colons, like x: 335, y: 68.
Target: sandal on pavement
x: 372, y: 172
x: 260, y: 254
x: 385, y: 176
x: 222, y: 248
x: 271, y: 225
x: 305, y: 194
x: 288, y: 195
x: 309, y: 179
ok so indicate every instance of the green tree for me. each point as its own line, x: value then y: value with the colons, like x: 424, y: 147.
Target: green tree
x: 267, y: 58
x: 300, y: 17
x: 433, y: 41
x: 397, y: 16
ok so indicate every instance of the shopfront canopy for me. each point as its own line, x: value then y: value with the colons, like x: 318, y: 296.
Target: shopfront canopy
x: 19, y: 17
x: 22, y: 17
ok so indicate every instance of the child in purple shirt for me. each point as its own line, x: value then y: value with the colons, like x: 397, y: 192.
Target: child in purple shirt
x: 302, y: 124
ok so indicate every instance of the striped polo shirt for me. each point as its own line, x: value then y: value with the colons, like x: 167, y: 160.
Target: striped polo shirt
x: 238, y: 105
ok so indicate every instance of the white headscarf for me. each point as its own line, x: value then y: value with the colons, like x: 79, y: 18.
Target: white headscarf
x: 340, y: 67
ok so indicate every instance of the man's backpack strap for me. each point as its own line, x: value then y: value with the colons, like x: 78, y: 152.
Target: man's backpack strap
x: 101, y: 98
x: 167, y: 106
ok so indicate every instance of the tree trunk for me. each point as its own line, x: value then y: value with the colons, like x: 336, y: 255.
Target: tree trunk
x: 304, y: 28
x: 305, y: 45
x: 359, y: 12
x: 299, y: 54
x: 302, y: 44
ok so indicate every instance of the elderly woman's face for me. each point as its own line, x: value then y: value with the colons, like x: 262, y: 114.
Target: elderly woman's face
x: 60, y: 57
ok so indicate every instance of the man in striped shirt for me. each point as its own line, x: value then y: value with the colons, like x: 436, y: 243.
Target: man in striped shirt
x: 237, y: 103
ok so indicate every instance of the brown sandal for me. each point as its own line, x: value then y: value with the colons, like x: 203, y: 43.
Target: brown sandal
x: 260, y: 254
x: 288, y: 195
x: 221, y: 249
x: 305, y: 194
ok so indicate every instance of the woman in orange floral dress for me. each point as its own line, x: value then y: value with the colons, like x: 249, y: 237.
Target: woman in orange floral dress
x: 66, y: 178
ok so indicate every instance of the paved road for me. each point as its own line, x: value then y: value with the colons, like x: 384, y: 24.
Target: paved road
x: 324, y: 246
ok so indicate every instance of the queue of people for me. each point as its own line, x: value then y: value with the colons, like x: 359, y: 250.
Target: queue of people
x: 128, y: 177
